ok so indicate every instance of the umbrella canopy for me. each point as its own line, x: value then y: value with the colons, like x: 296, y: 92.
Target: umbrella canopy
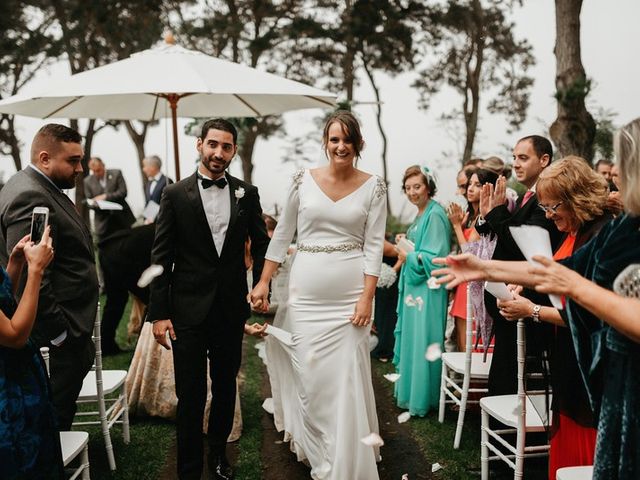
x: 189, y: 83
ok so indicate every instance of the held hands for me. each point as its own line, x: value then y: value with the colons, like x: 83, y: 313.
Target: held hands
x: 160, y: 329
x: 259, y: 298
x: 460, y: 268
x: 362, y: 314
x: 39, y: 255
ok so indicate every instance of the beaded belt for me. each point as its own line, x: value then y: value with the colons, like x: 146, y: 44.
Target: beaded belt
x: 342, y: 247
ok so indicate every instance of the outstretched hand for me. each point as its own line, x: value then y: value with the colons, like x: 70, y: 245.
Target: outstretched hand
x: 551, y: 277
x: 459, y: 269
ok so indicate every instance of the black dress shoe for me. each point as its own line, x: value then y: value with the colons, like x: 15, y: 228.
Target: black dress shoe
x: 219, y: 469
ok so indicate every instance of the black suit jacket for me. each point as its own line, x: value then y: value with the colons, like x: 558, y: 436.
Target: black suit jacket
x: 502, y: 376
x: 110, y: 221
x: 69, y: 291
x: 156, y: 195
x: 194, y: 274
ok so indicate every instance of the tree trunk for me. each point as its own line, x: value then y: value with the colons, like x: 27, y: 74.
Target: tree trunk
x: 14, y: 144
x: 245, y: 150
x: 349, y: 56
x: 138, y: 141
x: 474, y: 77
x: 574, y: 129
x: 88, y: 140
x: 376, y: 91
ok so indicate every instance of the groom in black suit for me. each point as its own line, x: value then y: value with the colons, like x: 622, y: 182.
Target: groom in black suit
x: 201, y: 298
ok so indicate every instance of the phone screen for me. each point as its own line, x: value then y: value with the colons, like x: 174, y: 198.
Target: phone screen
x: 38, y: 224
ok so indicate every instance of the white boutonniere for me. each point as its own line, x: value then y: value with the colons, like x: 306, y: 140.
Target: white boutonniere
x: 239, y: 193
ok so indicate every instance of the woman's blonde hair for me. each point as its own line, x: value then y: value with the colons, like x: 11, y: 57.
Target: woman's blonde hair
x: 572, y: 181
x: 626, y: 145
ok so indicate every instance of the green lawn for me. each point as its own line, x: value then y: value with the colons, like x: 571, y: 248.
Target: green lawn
x: 151, y: 439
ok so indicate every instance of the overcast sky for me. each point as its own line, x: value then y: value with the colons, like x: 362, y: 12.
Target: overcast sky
x: 610, y: 40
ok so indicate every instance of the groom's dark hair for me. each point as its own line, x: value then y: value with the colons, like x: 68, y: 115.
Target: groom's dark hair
x: 219, y: 124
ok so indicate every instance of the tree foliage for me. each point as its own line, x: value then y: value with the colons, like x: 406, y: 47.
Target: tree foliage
x: 26, y: 45
x: 474, y: 51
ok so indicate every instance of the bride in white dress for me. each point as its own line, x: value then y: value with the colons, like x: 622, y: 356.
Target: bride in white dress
x: 339, y: 214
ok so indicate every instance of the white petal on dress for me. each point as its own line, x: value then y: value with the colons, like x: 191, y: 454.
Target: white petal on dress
x: 321, y: 384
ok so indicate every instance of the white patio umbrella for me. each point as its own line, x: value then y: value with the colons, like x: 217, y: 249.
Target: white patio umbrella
x: 191, y: 83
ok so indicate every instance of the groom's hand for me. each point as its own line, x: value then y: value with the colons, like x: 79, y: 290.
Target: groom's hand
x: 160, y: 329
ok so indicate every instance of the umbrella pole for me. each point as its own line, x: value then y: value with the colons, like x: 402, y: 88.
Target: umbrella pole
x: 173, y: 103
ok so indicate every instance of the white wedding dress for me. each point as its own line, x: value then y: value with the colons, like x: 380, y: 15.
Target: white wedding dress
x: 322, y: 387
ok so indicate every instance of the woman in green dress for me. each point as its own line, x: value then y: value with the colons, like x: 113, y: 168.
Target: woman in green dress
x: 422, y: 311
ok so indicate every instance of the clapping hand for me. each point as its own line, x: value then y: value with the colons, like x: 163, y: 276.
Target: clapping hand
x: 459, y: 269
x: 491, y: 198
x: 515, y: 309
x: 456, y: 215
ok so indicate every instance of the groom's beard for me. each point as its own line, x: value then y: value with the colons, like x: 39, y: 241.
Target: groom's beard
x: 216, y: 165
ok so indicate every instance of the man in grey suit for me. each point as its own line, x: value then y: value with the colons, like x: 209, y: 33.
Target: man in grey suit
x: 69, y: 291
x: 108, y: 185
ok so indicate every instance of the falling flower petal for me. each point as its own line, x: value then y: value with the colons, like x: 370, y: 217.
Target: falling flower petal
x: 392, y: 377
x: 432, y: 283
x: 403, y: 417
x: 433, y: 353
x: 372, y: 440
x: 268, y: 405
x: 149, y: 274
x: 435, y: 467
x: 419, y: 302
x: 409, y: 301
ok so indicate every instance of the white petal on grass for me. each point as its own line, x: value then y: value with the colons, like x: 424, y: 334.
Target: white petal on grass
x: 433, y: 353
x: 149, y: 274
x: 268, y: 405
x: 435, y: 467
x: 432, y: 283
x: 404, y: 417
x: 392, y: 377
x: 372, y: 440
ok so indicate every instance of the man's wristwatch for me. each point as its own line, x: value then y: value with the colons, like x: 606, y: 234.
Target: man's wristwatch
x: 536, y: 313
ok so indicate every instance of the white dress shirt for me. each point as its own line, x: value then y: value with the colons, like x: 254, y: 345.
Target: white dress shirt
x: 217, y: 207
x: 153, y: 182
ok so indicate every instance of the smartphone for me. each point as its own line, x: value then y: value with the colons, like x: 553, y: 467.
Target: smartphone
x: 39, y: 221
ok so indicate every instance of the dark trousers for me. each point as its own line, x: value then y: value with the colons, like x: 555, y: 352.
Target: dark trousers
x: 219, y: 339
x: 69, y: 364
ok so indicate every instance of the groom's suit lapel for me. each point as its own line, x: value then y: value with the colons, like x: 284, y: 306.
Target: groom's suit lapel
x: 193, y: 194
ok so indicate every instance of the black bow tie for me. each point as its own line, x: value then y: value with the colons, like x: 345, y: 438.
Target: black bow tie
x: 207, y: 182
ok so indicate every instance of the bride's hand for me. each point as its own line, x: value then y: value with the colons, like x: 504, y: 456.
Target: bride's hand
x: 259, y: 298
x: 362, y: 315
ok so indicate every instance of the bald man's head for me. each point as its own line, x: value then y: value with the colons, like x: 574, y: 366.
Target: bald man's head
x: 57, y: 152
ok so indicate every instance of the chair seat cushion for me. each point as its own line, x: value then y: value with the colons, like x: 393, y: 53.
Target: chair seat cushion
x: 504, y: 408
x: 575, y: 473
x: 112, y: 380
x: 72, y: 444
x: 479, y: 368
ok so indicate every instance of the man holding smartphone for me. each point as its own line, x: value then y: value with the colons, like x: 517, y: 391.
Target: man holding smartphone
x: 69, y: 292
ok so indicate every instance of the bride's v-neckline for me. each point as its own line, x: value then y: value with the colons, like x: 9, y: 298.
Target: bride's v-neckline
x: 341, y: 198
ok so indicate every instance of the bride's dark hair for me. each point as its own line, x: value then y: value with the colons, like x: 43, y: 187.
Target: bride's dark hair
x: 350, y: 127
